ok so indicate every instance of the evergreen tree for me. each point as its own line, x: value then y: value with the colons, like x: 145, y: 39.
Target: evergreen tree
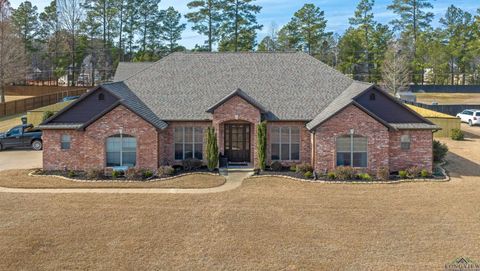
x: 310, y: 25
x: 206, y: 19
x: 239, y: 25
x: 130, y: 26
x: 363, y: 19
x: 148, y: 29
x: 25, y: 21
x: 172, y: 29
x: 49, y: 35
x: 289, y: 37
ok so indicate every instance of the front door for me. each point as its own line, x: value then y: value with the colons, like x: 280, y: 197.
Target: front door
x: 237, y: 142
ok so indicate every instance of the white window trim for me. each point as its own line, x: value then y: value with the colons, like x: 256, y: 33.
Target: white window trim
x: 63, y: 141
x: 351, y: 150
x: 289, y: 143
x: 183, y: 142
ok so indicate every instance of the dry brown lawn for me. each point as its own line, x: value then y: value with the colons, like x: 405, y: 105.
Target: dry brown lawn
x: 9, y: 98
x: 9, y: 122
x: 266, y: 224
x: 20, y: 179
x: 449, y: 98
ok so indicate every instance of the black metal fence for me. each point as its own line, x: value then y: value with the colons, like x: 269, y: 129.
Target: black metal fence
x: 450, y: 109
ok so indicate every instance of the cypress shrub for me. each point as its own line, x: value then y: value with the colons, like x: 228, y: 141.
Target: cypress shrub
x: 262, y: 144
x: 212, y: 149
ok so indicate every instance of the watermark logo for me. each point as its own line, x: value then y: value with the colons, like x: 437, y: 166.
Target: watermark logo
x: 462, y: 264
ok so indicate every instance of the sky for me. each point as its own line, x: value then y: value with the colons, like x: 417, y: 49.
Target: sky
x: 279, y: 12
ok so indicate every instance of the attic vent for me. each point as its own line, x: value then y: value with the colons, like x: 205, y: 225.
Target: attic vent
x: 101, y: 97
x: 372, y: 97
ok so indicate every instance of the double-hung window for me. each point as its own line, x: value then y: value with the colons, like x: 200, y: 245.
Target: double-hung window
x: 65, y: 142
x: 285, y: 143
x: 121, y: 151
x: 405, y: 142
x: 188, y: 143
x: 352, y: 151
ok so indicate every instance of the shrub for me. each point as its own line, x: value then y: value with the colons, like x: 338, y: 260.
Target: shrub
x: 413, y: 172
x: 308, y: 174
x: 457, y: 134
x: 116, y: 174
x: 71, y: 174
x: 293, y: 168
x: 345, y: 173
x: 383, y: 174
x: 402, y: 174
x: 165, y: 171
x: 191, y: 164
x: 262, y: 144
x: 331, y: 176
x: 425, y: 173
x: 212, y: 149
x: 94, y: 174
x: 147, y: 173
x: 365, y: 177
x: 276, y: 166
x: 439, y: 151
x: 256, y: 171
x: 46, y: 115
x: 133, y: 174
x: 304, y: 168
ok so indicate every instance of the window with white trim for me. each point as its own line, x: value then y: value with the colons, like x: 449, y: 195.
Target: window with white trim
x: 285, y: 143
x: 65, y: 142
x: 352, y: 151
x: 121, y: 151
x: 405, y: 142
x: 188, y: 143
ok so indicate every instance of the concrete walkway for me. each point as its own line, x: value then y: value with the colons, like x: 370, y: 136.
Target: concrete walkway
x: 234, y: 180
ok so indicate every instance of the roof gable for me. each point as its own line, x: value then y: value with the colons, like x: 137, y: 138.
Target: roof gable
x: 240, y: 93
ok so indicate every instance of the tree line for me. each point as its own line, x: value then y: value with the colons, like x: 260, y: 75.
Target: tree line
x: 83, y: 40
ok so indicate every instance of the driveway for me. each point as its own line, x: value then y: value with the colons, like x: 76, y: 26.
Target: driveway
x: 20, y: 159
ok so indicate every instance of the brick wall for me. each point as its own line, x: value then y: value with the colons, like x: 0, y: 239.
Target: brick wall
x: 88, y: 147
x: 167, y: 140
x: 305, y: 141
x: 351, y: 118
x: 420, y: 152
x: 237, y: 110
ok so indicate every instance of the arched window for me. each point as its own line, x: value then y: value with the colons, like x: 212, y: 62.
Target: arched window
x: 121, y: 151
x: 372, y: 97
x: 352, y: 151
x: 101, y: 97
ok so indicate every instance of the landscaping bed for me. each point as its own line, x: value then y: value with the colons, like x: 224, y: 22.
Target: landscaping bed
x: 21, y: 179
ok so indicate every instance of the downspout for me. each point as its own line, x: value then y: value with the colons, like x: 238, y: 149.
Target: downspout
x: 314, y: 147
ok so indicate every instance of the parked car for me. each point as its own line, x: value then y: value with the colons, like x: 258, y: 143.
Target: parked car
x: 470, y: 116
x: 70, y: 98
x: 22, y: 136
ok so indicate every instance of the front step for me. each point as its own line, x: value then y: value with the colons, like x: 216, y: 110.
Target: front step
x: 225, y: 171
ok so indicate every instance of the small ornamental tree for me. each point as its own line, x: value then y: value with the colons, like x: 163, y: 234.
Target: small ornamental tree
x: 262, y: 144
x: 212, y: 149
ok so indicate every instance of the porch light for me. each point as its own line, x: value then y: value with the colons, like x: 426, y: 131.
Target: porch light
x: 352, y: 131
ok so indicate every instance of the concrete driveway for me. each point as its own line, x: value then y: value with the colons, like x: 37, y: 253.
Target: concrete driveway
x: 20, y: 159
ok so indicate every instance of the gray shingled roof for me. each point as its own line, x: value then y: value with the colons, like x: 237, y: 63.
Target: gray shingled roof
x: 415, y: 126
x: 292, y: 86
x: 128, y: 69
x: 131, y: 101
x: 344, y: 99
x: 61, y: 126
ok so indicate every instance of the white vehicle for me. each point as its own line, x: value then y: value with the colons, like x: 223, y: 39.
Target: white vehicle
x: 470, y: 116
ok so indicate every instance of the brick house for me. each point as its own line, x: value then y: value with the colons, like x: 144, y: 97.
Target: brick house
x: 157, y: 113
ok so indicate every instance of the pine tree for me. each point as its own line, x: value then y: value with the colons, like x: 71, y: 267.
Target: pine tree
x: 363, y: 19
x: 171, y: 31
x: 49, y: 34
x: 25, y: 21
x: 239, y: 25
x: 206, y: 19
x: 148, y: 29
x: 130, y: 26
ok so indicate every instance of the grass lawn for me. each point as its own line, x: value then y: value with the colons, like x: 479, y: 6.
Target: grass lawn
x: 448, y: 98
x: 20, y: 179
x: 9, y: 98
x: 9, y: 122
x: 267, y: 223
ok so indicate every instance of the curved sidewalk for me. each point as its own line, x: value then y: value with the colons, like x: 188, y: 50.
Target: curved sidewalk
x: 234, y: 180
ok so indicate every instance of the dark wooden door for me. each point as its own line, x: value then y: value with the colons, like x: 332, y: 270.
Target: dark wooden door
x: 237, y: 142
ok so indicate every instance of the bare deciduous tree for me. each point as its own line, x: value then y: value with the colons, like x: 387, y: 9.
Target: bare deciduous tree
x: 70, y: 15
x: 11, y: 52
x: 395, y: 70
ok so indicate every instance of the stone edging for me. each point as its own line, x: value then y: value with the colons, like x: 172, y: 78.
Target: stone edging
x: 32, y: 174
x: 444, y: 172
